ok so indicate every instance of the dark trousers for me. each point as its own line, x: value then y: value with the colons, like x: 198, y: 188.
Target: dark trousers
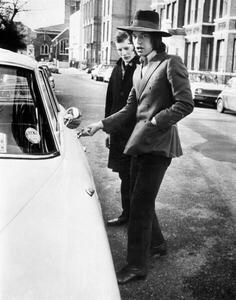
x: 124, y: 175
x: 147, y: 172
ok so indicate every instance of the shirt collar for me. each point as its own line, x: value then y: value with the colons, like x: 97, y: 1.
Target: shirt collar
x: 146, y: 59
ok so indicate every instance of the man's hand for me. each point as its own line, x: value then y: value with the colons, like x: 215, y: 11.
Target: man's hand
x: 107, y: 141
x: 91, y: 129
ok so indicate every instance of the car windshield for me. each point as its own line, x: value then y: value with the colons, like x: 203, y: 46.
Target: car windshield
x: 24, y: 127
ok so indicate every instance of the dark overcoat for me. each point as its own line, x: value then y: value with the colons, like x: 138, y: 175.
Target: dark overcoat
x: 118, y: 90
x: 164, y: 94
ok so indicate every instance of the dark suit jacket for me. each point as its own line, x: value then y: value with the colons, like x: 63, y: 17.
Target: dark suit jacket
x: 163, y: 93
x: 117, y: 93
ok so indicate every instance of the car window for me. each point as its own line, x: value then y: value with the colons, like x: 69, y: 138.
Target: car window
x: 24, y: 126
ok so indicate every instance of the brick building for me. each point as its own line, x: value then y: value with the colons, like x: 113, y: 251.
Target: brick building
x: 43, y: 49
x: 52, y: 42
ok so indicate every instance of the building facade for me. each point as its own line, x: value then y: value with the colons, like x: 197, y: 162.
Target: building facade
x: 52, y: 42
x: 60, y: 48
x: 76, y: 39
x: 116, y: 13
x: 91, y: 26
x: 43, y: 49
x: 100, y: 19
x: 203, y: 33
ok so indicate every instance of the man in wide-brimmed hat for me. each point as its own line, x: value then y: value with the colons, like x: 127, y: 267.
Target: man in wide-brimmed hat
x: 160, y: 97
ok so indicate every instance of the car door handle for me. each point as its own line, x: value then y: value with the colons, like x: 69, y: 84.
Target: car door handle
x: 90, y: 191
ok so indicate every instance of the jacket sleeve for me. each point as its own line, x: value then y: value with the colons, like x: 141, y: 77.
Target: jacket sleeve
x: 183, y: 104
x: 117, y: 121
x: 109, y: 97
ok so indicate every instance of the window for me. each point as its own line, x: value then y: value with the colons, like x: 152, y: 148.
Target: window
x: 221, y: 8
x: 213, y: 13
x: 207, y: 11
x: 44, y: 49
x: 106, y: 59
x: 108, y: 7
x: 196, y: 11
x: 234, y: 57
x: 104, y: 7
x: 168, y: 11
x: 108, y: 28
x: 161, y: 15
x: 187, y: 55
x: 24, y: 126
x: 208, y: 56
x: 189, y: 11
x: 74, y: 7
x: 173, y: 15
x: 220, y: 55
x: 194, y: 57
x: 63, y: 46
x: 103, y: 31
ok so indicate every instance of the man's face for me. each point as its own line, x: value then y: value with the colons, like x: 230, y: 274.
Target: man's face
x: 125, y: 50
x: 142, y: 43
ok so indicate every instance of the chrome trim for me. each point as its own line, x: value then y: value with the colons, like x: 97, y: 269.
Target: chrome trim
x: 28, y: 156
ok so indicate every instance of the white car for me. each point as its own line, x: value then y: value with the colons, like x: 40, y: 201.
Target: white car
x: 53, y: 243
x: 227, y: 98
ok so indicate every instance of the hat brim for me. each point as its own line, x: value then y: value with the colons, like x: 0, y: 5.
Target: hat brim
x: 144, y: 29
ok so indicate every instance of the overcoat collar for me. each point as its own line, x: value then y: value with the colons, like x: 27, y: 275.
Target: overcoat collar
x: 151, y: 67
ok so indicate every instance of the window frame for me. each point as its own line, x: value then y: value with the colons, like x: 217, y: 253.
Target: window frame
x: 52, y: 107
x: 64, y: 43
x: 42, y: 49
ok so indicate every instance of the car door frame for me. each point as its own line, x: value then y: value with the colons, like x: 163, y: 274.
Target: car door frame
x: 53, y: 109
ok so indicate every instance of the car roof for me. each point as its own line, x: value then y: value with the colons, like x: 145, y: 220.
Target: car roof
x: 16, y: 59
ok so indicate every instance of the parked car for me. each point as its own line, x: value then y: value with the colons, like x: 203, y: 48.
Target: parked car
x: 53, y: 243
x: 206, y: 92
x: 227, y: 98
x: 98, y: 72
x: 53, y: 68
x: 107, y: 74
x: 48, y: 74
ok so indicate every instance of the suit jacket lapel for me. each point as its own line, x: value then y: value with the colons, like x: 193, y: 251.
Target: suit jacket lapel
x: 153, y: 65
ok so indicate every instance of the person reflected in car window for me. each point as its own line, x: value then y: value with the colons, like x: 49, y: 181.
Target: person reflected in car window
x: 119, y: 86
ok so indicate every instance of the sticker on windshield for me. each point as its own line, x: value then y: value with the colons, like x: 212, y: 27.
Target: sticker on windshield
x: 3, y: 142
x: 32, y: 135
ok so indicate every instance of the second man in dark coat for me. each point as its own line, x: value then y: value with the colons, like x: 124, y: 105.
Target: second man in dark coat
x: 118, y: 90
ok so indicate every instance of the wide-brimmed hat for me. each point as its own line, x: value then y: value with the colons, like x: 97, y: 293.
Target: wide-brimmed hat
x: 146, y: 21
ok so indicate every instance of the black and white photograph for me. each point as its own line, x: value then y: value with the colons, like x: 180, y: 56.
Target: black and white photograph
x: 117, y: 149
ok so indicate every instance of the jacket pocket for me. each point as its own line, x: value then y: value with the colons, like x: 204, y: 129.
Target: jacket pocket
x: 148, y: 138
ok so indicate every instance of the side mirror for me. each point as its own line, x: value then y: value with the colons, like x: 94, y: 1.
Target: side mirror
x: 72, y: 117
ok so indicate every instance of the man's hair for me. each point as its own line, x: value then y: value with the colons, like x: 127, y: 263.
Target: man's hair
x: 121, y: 36
x: 156, y: 41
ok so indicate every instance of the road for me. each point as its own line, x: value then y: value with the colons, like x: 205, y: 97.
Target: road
x: 196, y: 204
